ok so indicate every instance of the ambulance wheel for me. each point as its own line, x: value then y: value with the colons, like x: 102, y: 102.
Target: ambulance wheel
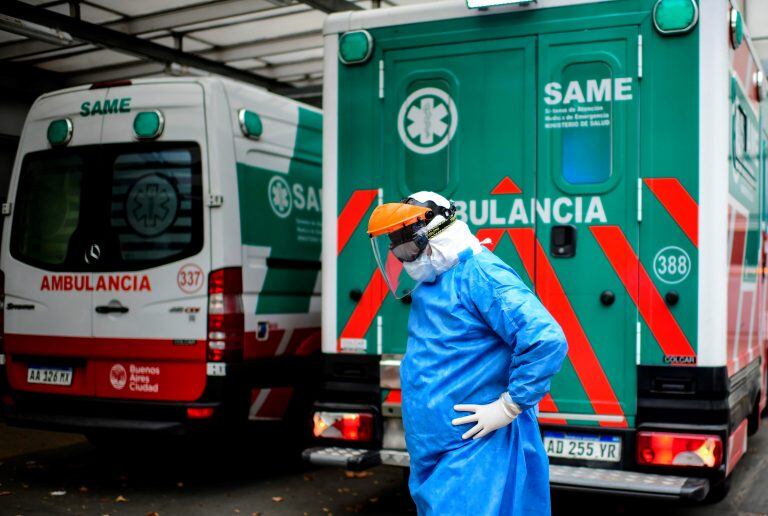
x: 718, y: 492
x: 753, y: 422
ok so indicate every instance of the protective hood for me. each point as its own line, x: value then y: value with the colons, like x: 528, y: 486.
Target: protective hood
x: 443, y: 251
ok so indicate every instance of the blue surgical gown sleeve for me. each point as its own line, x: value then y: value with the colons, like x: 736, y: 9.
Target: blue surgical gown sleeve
x: 515, y: 314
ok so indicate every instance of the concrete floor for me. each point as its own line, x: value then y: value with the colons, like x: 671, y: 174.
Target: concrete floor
x: 52, y: 473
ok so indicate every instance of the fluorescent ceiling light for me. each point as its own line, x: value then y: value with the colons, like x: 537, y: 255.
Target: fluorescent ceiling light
x: 35, y: 31
x: 481, y: 4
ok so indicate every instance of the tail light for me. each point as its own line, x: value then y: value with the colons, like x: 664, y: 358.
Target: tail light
x: 199, y: 412
x: 226, y: 323
x: 667, y: 449
x: 344, y: 426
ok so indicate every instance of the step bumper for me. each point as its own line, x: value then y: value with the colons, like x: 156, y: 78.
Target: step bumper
x: 614, y: 481
x: 571, y: 478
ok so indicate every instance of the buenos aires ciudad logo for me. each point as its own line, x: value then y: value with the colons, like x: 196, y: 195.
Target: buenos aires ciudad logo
x: 427, y: 120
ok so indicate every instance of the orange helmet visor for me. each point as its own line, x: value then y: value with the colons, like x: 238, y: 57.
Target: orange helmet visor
x: 392, y: 216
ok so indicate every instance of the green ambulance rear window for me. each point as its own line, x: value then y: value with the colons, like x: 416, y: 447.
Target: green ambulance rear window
x: 140, y: 202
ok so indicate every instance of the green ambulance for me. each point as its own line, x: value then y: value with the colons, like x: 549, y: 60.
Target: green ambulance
x: 613, y: 152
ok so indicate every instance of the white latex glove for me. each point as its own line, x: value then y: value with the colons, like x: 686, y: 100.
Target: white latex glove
x: 487, y: 418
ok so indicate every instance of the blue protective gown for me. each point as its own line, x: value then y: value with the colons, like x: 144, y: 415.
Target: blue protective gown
x: 473, y: 333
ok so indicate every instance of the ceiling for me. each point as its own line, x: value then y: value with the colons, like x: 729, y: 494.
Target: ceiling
x: 276, y: 40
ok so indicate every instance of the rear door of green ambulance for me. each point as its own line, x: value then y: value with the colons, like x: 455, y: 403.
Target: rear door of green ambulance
x: 587, y: 223
x: 459, y: 119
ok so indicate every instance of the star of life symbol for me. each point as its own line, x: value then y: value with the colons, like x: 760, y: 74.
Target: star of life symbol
x: 280, y: 196
x: 427, y: 120
x: 151, y: 205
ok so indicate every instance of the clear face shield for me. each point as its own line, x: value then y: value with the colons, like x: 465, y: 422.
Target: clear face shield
x: 393, y: 250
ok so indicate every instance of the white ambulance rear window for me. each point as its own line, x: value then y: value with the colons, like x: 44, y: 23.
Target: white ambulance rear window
x: 139, y: 203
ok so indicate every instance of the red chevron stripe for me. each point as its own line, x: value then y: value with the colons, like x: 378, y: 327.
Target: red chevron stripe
x: 547, y: 404
x: 643, y: 292
x: 362, y: 316
x: 352, y: 214
x: 679, y: 203
x: 492, y: 234
x: 585, y: 363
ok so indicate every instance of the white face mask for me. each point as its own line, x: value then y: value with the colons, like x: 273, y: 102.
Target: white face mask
x: 422, y: 269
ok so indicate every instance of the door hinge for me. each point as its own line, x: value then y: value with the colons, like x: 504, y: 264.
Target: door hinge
x: 639, y: 199
x: 381, y: 78
x: 7, y: 208
x: 215, y: 201
x: 639, y: 56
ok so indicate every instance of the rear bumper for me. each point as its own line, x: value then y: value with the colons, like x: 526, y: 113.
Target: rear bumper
x: 572, y: 478
x: 90, y: 415
x: 632, y: 483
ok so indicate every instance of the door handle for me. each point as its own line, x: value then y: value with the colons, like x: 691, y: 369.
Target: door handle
x: 562, y: 241
x: 111, y: 309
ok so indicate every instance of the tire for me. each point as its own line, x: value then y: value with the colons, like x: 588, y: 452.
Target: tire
x: 753, y: 420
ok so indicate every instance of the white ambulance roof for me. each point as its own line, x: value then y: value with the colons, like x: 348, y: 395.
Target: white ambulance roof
x: 228, y: 85
x: 445, y: 10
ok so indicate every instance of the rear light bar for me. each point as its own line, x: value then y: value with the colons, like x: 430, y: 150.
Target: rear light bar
x: 110, y: 84
x: 670, y: 449
x: 345, y: 426
x: 226, y: 322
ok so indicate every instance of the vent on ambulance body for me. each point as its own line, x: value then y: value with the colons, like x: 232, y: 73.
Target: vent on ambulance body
x: 226, y: 322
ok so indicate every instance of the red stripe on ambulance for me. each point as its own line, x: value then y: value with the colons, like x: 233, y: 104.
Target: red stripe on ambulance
x: 352, y: 214
x: 737, y: 446
x: 678, y: 203
x: 739, y: 297
x: 547, y: 404
x: 490, y: 237
x: 643, y: 292
x: 506, y: 187
x: 580, y: 352
x: 366, y: 309
x: 269, y: 404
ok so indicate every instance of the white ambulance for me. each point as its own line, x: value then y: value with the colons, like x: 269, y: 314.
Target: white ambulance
x: 161, y: 258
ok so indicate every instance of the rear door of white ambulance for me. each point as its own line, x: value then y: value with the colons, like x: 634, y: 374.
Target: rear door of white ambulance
x: 47, y: 302
x: 149, y: 302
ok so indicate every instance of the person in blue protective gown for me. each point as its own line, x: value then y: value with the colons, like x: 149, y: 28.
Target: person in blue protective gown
x: 480, y: 355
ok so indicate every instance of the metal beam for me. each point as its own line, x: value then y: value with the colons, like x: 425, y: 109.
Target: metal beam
x: 296, y: 69
x: 268, y: 47
x: 236, y: 52
x: 163, y: 20
x: 132, y: 45
x: 332, y: 6
x: 116, y: 72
